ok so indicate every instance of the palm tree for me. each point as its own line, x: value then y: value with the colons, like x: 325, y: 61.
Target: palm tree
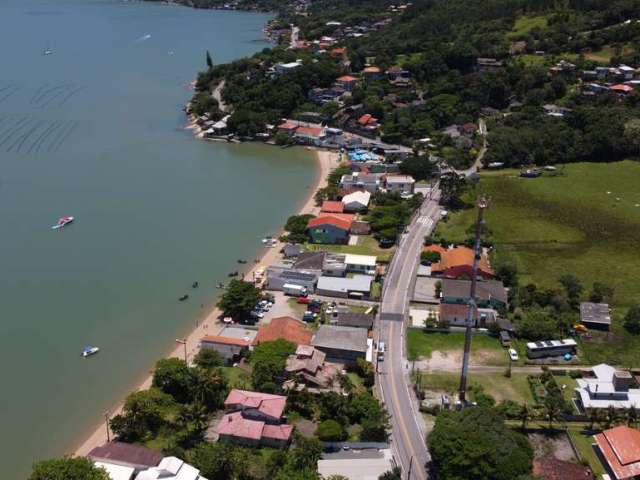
x: 611, y: 417
x: 632, y: 416
x: 524, y: 415
x: 551, y: 409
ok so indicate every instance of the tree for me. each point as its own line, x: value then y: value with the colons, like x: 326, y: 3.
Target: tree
x: 476, y: 444
x: 429, y: 257
x: 267, y: 364
x: 572, y: 286
x: 601, y: 292
x: 220, y: 461
x: 393, y: 474
x: 551, y: 409
x: 173, y: 376
x: 67, y: 468
x: 239, y: 299
x: 207, y: 358
x: 141, y: 415
x: 208, y: 387
x: 537, y: 324
x: 632, y: 416
x: 524, y: 415
x: 297, y: 227
x: 420, y: 168
x: 305, y: 453
x: 209, y: 61
x: 631, y: 320
x: 330, y: 431
x: 632, y: 135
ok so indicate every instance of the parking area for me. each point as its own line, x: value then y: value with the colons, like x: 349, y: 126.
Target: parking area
x: 283, y: 307
x: 425, y: 290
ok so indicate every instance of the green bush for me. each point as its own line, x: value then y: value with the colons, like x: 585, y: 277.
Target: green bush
x: 330, y: 431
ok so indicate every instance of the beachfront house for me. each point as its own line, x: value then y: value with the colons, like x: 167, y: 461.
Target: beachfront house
x: 231, y: 343
x: 356, y: 201
x: 330, y: 229
x: 368, y: 182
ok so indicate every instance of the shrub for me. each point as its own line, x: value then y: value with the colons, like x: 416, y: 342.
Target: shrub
x: 330, y: 431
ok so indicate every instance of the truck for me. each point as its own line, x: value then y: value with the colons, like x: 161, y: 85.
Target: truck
x: 294, y: 290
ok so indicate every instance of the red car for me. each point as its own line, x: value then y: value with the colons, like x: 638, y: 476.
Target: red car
x: 304, y: 300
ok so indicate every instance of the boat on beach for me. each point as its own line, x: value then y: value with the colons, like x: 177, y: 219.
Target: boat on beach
x: 63, y: 222
x: 89, y: 350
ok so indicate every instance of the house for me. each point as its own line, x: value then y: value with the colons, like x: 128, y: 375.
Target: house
x: 286, y: 68
x: 488, y: 63
x: 357, y: 286
x: 126, y: 455
x: 398, y: 76
x: 555, y: 110
x: 171, y: 468
x: 347, y: 82
x: 551, y: 348
x: 619, y: 449
x: 289, y: 127
x: 368, y: 125
x: 359, y: 227
x: 621, y: 89
x: 356, y: 201
x: 595, y: 315
x: 489, y: 293
x: 341, y: 344
x: 457, y: 262
x: 369, y: 182
x: 325, y: 95
x: 286, y: 328
x: 309, y: 135
x: 116, y: 472
x: 308, y: 365
x: 278, y: 277
x: 310, y: 261
x: 608, y: 388
x: 400, y: 183
x: 329, y: 229
x: 456, y: 314
x: 372, y: 73
x: 356, y: 463
x: 352, y: 319
x: 292, y: 250
x: 365, y: 264
x: 329, y: 206
x: 231, y: 343
x: 254, y: 419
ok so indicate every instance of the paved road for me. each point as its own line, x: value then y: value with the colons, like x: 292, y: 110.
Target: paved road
x: 408, y: 440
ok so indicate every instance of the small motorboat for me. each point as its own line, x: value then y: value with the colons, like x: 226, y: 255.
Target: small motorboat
x: 63, y: 222
x: 220, y: 285
x: 233, y: 274
x: 183, y: 297
x: 242, y: 261
x: 89, y: 350
x: 195, y: 285
x: 47, y: 51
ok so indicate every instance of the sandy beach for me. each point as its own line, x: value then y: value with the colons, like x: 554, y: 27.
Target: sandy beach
x: 327, y: 160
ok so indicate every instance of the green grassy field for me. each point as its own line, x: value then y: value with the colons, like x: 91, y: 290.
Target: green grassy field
x: 484, y: 349
x: 237, y: 377
x: 525, y: 24
x: 583, y: 444
x: 566, y: 223
x: 367, y: 246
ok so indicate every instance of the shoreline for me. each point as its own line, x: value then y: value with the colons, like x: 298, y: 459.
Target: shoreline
x: 325, y: 160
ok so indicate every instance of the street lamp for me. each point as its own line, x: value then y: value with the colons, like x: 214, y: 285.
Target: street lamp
x: 183, y: 341
x: 106, y: 421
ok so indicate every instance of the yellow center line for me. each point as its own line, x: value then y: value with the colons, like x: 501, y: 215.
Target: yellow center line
x: 403, y: 426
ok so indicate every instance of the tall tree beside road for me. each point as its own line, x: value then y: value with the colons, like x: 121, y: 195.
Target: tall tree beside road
x: 239, y: 299
x: 67, y: 468
x: 475, y: 444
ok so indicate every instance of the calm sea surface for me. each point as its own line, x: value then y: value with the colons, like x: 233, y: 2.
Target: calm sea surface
x: 94, y: 130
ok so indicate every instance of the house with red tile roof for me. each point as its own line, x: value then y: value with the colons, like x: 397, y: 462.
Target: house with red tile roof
x: 620, y: 450
x: 347, y: 82
x: 554, y: 469
x: 309, y: 135
x: 254, y: 419
x: 329, y: 228
x: 622, y: 89
x: 288, y: 127
x: 457, y: 262
x: 372, y: 73
x: 287, y: 328
x: 329, y: 206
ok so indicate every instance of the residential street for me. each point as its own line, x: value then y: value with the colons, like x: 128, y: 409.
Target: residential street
x: 408, y: 440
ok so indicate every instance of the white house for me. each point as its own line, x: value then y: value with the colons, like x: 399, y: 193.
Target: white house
x: 356, y: 201
x: 609, y: 388
x: 171, y: 468
x: 400, y: 183
x: 284, y: 68
x: 370, y: 182
x: 360, y: 263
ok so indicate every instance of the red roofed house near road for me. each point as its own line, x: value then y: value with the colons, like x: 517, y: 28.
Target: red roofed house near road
x: 254, y: 419
x: 458, y: 262
x: 287, y: 328
x: 329, y: 206
x: 620, y: 448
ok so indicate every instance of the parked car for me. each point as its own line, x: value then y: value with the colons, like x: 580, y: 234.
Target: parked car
x: 513, y: 355
x: 257, y: 314
x: 304, y: 300
x: 381, y: 349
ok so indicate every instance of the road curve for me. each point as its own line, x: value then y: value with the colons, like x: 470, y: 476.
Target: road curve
x: 407, y: 437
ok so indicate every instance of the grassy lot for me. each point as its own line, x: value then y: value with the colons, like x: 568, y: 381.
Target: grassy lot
x: 605, y: 53
x: 367, y: 246
x: 583, y: 444
x: 497, y: 385
x: 532, y: 60
x: 484, y: 349
x: 525, y: 24
x: 570, y: 383
x: 237, y: 377
x: 298, y: 308
x: 564, y: 224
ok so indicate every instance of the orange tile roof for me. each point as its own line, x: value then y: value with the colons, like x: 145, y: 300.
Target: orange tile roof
x: 346, y: 78
x: 620, y: 446
x: 434, y: 248
x: 287, y: 125
x: 334, y: 219
x: 240, y: 342
x: 330, y: 206
x: 371, y: 70
x: 622, y: 88
x: 286, y: 328
x: 311, y: 131
x: 460, y: 256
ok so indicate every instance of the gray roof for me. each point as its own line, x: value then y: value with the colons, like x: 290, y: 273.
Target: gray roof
x: 485, y: 290
x: 595, y: 313
x: 357, y: 283
x: 352, y: 319
x: 126, y: 453
x: 293, y: 275
x: 292, y: 250
x: 341, y: 338
x: 310, y: 261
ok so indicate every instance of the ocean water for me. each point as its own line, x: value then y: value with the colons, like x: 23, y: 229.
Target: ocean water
x: 95, y: 130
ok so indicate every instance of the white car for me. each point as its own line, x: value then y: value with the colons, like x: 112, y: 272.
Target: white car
x: 513, y: 355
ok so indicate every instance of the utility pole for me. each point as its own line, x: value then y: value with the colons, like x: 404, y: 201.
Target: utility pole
x: 410, y: 465
x: 106, y: 420
x: 471, y: 308
x: 183, y: 341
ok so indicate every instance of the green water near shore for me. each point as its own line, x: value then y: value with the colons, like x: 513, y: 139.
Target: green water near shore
x: 95, y: 130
